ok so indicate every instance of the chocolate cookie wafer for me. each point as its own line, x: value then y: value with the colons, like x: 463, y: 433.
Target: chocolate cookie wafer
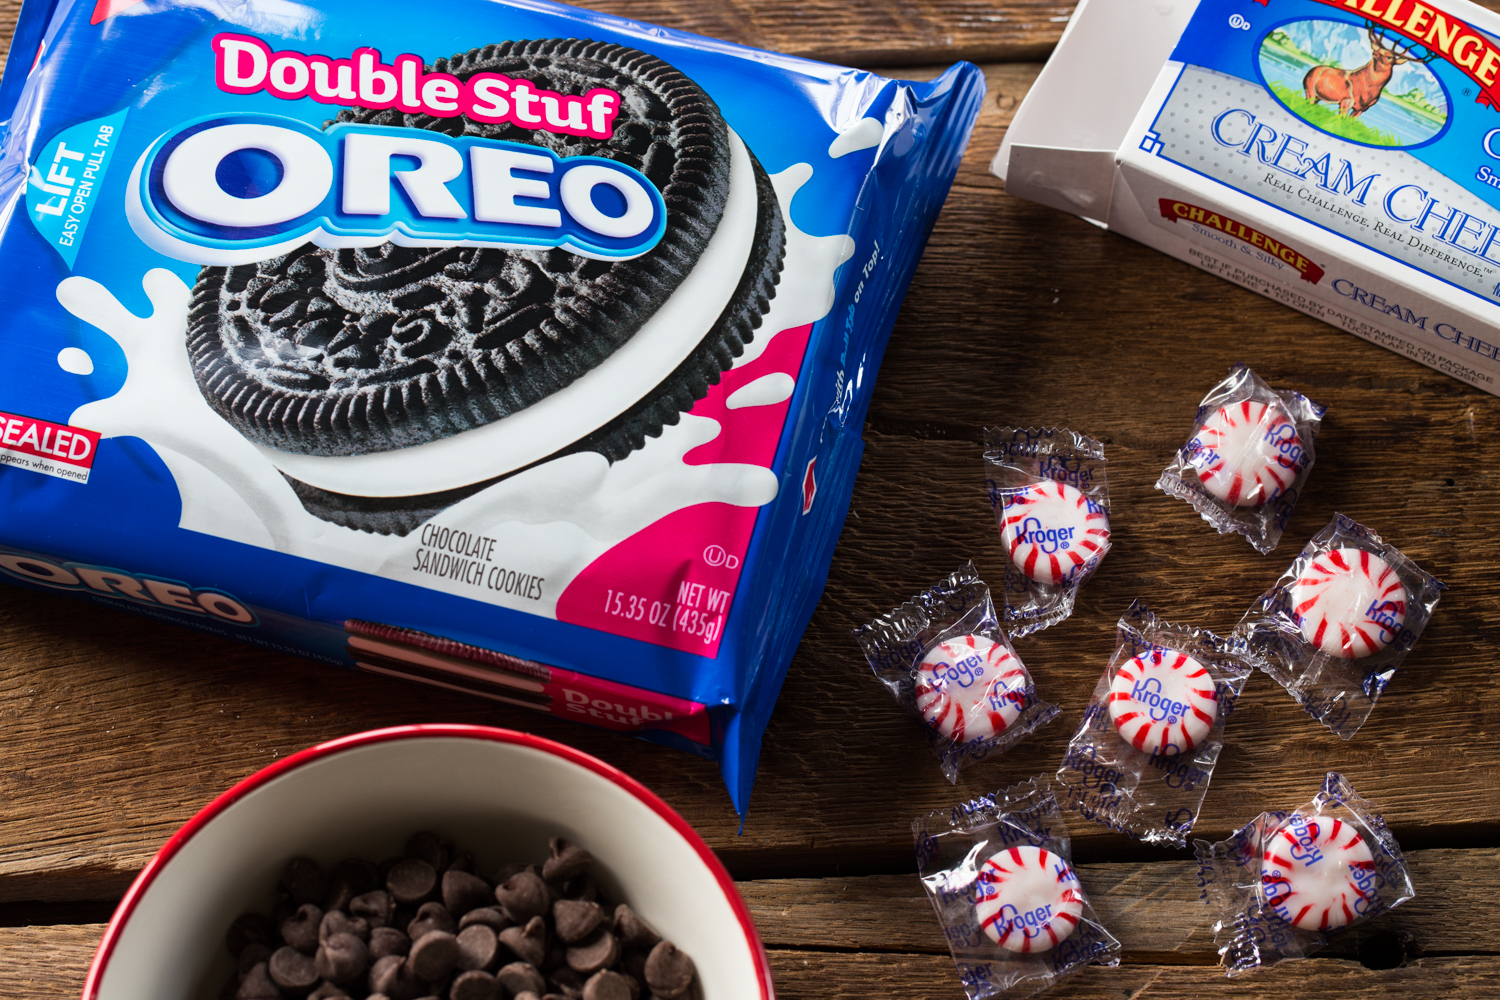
x: 334, y: 353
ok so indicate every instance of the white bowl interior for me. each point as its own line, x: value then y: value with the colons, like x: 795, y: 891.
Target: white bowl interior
x: 500, y: 800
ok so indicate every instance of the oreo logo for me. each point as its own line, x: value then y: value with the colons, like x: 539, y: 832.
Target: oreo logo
x: 243, y: 188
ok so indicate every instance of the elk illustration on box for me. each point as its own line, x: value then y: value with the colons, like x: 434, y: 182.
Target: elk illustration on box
x: 1356, y: 90
x: 1389, y: 98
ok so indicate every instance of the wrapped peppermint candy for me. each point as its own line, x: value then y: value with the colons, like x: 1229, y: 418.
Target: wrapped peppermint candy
x: 1341, y: 619
x: 946, y: 660
x: 1287, y: 882
x: 1247, y: 458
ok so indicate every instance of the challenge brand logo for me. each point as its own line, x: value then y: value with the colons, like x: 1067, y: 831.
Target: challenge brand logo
x: 1441, y: 34
x: 242, y: 188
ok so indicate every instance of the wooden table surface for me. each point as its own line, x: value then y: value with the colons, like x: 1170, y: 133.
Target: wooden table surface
x: 115, y: 729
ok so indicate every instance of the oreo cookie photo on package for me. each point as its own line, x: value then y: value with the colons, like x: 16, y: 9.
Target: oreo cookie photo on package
x: 516, y: 350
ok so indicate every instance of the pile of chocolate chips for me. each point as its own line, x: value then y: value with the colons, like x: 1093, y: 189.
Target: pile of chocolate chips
x: 426, y: 926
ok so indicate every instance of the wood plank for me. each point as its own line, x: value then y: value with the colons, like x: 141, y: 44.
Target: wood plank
x: 45, y: 963
x: 894, y: 34
x: 1153, y: 909
x: 838, y: 976
x: 120, y: 728
x: 897, y: 33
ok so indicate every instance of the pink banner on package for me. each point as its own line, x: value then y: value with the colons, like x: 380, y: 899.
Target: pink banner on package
x: 673, y: 582
x: 51, y: 449
x: 438, y: 661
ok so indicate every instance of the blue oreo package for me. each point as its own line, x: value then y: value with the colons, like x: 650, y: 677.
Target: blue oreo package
x: 521, y: 351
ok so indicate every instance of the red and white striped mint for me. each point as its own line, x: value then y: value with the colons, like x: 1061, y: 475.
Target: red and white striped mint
x: 1028, y: 899
x: 1317, y: 873
x: 1349, y: 603
x: 1162, y: 702
x: 1246, y: 453
x: 970, y: 688
x: 1052, y: 531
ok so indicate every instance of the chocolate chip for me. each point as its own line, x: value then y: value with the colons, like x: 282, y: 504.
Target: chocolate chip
x: 607, y: 985
x: 391, y: 976
x: 388, y: 941
x: 248, y: 928
x: 599, y: 951
x: 568, y: 861
x: 428, y: 847
x: 348, y: 879
x: 528, y: 942
x: 490, y: 916
x: 523, y: 896
x: 375, y: 907
x: 258, y: 985
x: 252, y: 956
x: 567, y: 982
x: 328, y: 991
x: 463, y: 891
x: 576, y: 920
x: 503, y: 875
x: 412, y: 881
x: 430, y: 917
x: 300, y: 930
x: 518, y: 977
x: 282, y: 908
x: 475, y: 985
x: 582, y: 888
x: 526, y: 995
x: 305, y: 881
x: 292, y: 970
x: 633, y: 931
x: 434, y: 955
x: 339, y: 922
x: 384, y: 868
x: 342, y: 958
x: 477, y: 947
x: 668, y: 971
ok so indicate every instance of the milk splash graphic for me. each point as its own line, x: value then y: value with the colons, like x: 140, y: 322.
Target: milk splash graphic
x: 553, y: 520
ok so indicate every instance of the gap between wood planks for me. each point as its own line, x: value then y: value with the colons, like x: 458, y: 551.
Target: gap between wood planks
x: 1152, y: 908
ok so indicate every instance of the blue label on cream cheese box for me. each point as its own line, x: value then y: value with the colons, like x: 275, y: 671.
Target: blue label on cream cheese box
x: 1375, y: 120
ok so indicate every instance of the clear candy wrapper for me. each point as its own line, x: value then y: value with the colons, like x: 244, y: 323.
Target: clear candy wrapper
x: 1339, y: 621
x: 1286, y: 882
x: 1141, y: 760
x: 999, y: 872
x: 947, y: 661
x: 1249, y: 454
x: 1051, y: 502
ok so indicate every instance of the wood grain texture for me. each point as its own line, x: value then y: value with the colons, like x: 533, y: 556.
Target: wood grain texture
x: 891, y: 34
x: 804, y: 974
x: 115, y: 729
x: 119, y: 728
x: 1153, y: 909
x: 897, y: 33
x: 49, y: 963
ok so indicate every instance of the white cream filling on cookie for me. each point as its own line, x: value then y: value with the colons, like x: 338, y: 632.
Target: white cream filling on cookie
x: 588, y: 403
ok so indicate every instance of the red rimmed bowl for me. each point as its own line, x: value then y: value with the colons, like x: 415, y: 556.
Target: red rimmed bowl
x: 498, y: 793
